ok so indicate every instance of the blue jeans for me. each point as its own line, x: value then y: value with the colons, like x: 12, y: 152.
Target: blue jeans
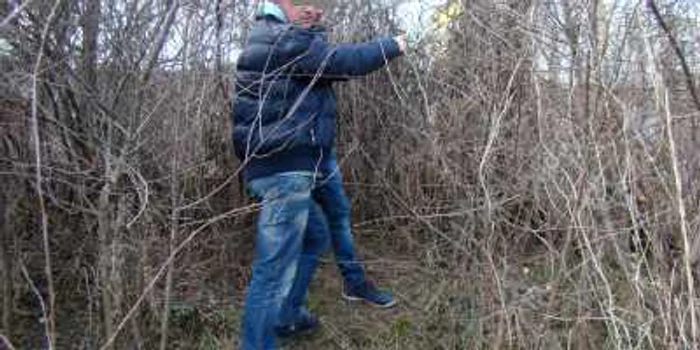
x: 335, y: 205
x: 329, y: 215
x: 285, y: 253
x: 300, y: 211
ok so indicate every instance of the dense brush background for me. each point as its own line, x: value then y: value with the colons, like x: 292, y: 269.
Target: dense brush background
x: 526, y: 179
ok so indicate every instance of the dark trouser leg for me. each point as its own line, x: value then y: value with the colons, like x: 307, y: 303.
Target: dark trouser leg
x: 330, y: 195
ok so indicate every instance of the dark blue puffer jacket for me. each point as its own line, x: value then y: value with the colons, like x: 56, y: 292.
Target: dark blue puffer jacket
x: 284, y: 115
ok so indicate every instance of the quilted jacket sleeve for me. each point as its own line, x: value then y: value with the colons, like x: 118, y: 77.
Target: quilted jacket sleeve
x: 346, y: 60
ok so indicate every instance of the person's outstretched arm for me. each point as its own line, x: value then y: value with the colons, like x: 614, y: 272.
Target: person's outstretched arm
x: 347, y: 60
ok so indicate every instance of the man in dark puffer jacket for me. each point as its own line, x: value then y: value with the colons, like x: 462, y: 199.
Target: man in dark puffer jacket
x: 284, y: 133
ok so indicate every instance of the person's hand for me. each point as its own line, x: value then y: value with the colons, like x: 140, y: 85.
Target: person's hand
x: 411, y: 39
x: 415, y: 36
x: 401, y: 41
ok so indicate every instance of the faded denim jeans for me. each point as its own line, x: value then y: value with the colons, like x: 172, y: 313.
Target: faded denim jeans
x: 300, y: 212
x: 286, y: 252
x: 329, y: 215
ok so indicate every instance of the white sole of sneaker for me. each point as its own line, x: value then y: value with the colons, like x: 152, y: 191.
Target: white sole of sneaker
x: 384, y: 306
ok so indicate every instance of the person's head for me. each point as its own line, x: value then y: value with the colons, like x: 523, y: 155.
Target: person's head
x: 302, y: 12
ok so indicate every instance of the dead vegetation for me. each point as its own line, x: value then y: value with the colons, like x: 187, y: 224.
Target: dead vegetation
x: 527, y: 179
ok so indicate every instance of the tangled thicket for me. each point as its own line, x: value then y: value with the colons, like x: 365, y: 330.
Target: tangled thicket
x: 528, y: 178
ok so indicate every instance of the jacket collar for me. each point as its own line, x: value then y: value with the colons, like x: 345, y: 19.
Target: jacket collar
x: 268, y: 8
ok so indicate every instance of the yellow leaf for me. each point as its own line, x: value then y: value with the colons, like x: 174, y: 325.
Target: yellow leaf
x: 447, y: 15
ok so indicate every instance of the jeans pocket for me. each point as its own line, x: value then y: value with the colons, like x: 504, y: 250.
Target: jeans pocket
x: 286, y: 200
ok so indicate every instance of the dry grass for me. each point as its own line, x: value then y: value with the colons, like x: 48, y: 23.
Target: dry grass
x: 528, y: 180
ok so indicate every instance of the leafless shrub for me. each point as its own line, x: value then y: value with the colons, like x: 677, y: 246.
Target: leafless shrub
x: 526, y: 179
